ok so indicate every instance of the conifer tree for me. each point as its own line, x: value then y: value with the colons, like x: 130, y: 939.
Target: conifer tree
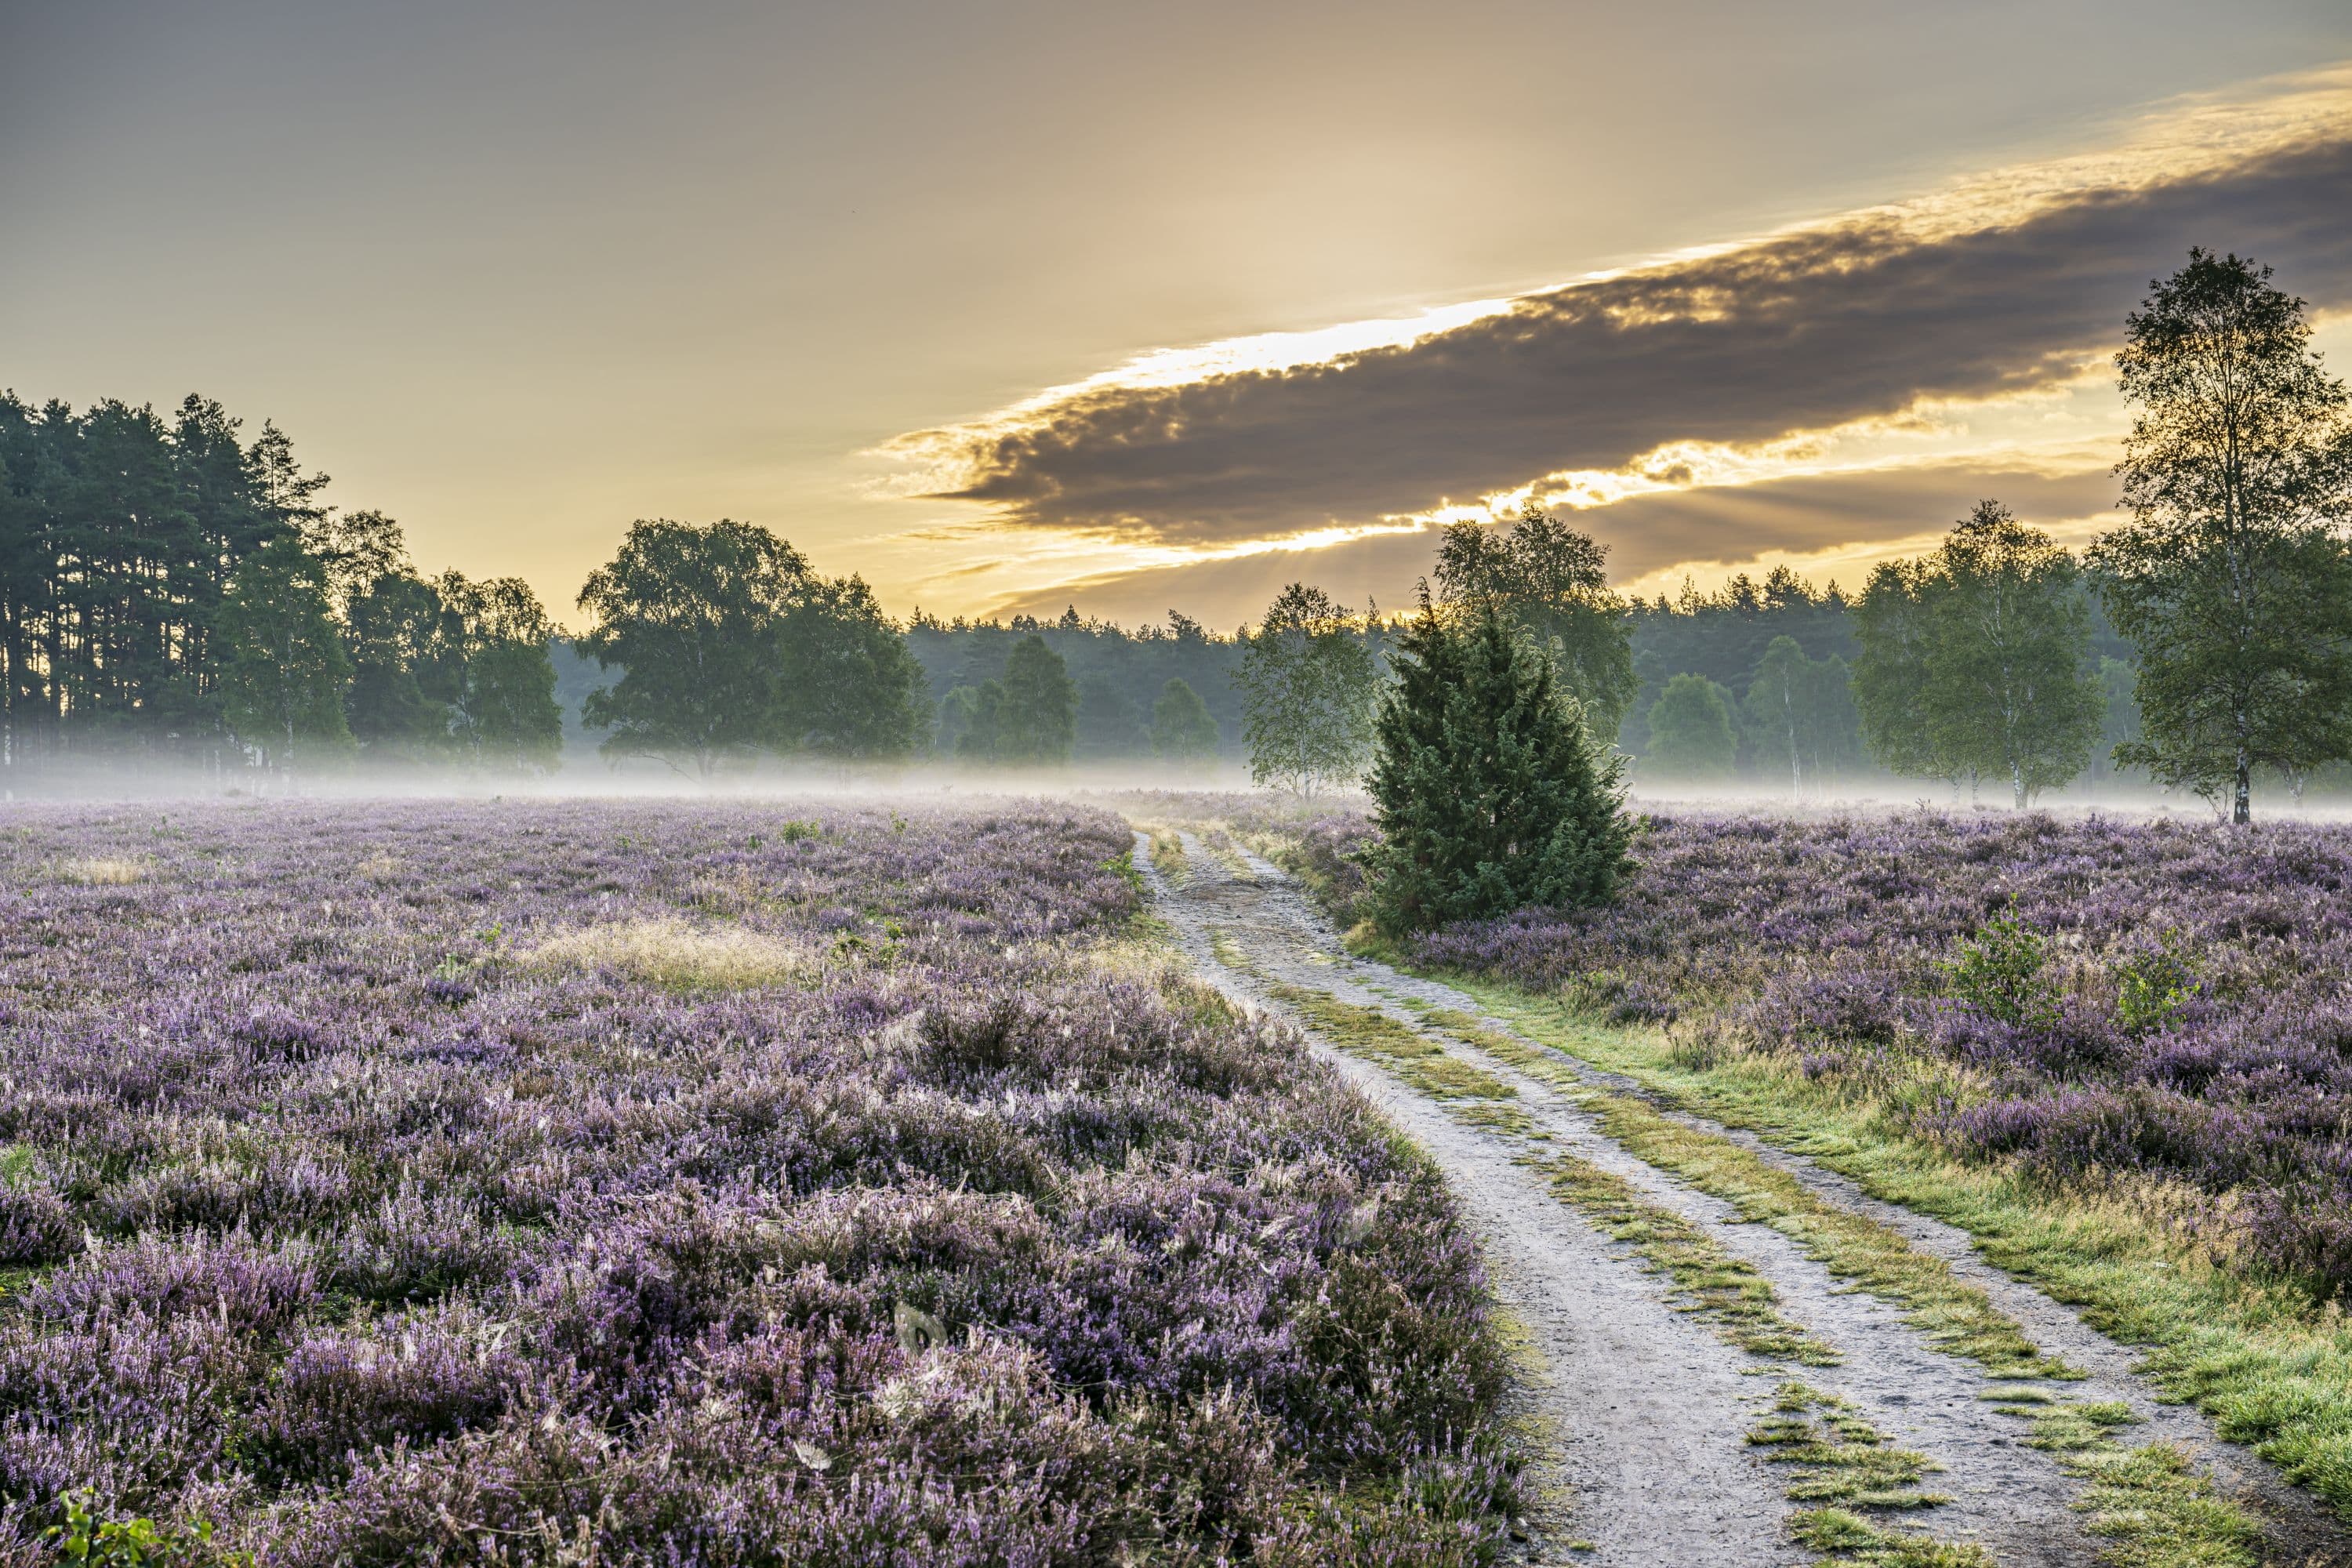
x: 1488, y: 796
x: 282, y: 675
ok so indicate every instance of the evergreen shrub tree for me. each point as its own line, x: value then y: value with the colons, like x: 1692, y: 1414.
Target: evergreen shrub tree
x: 1488, y: 794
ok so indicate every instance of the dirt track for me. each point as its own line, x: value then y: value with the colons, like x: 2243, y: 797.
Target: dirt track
x: 1650, y: 1408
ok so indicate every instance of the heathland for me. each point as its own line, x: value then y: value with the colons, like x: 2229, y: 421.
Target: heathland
x: 599, y: 1183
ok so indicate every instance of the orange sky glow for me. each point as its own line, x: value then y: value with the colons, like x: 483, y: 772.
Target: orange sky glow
x: 1076, y: 305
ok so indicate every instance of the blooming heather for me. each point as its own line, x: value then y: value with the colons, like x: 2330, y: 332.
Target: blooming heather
x: 2191, y: 1019
x: 598, y: 1181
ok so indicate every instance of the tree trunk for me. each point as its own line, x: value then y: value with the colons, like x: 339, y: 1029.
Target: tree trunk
x: 2242, y: 809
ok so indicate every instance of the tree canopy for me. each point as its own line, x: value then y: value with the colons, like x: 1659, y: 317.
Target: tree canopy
x: 849, y: 688
x: 1976, y: 659
x: 1029, y: 716
x: 1799, y: 717
x: 507, y: 714
x: 1553, y: 581
x: 1691, y: 739
x: 1309, y: 684
x: 1181, y: 729
x: 2232, y: 577
x: 282, y: 665
x: 695, y: 618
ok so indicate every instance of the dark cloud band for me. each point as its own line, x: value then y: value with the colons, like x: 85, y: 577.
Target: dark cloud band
x: 1794, y: 334
x: 1648, y: 533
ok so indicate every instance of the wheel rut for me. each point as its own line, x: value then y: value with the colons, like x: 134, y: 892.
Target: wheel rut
x: 1650, y: 1406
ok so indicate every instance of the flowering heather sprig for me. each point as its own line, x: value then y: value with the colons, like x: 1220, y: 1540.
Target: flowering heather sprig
x: 433, y: 1183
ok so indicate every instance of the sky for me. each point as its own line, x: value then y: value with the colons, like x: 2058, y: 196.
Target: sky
x: 1012, y: 306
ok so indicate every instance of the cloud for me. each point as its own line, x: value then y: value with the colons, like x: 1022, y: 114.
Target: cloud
x: 1611, y: 382
x: 1825, y: 526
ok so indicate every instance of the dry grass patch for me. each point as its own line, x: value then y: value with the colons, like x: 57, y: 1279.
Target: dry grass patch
x: 105, y: 870
x: 380, y: 867
x: 677, y: 954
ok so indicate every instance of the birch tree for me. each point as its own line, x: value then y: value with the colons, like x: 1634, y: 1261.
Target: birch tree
x: 2232, y: 577
x: 2010, y: 684
x: 1308, y: 687
x: 1975, y: 660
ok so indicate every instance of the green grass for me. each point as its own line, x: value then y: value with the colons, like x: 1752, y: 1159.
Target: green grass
x: 1840, y: 1463
x: 1838, y: 1456
x: 1956, y: 1316
x: 2272, y: 1368
x: 1847, y: 1537
x: 2149, y: 1501
x: 1166, y: 852
x: 2150, y: 1505
x: 1375, y: 1036
x: 1705, y: 1280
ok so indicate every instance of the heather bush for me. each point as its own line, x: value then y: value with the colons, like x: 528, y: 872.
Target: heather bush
x: 2094, y: 999
x: 630, y: 1182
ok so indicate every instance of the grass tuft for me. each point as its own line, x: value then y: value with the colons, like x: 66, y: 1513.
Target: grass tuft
x: 676, y: 955
x: 1725, y: 1291
x: 104, y: 871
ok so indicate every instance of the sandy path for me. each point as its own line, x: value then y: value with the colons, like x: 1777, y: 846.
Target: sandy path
x: 1651, y: 1405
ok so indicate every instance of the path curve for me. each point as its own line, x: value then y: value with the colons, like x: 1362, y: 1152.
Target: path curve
x: 1651, y: 1406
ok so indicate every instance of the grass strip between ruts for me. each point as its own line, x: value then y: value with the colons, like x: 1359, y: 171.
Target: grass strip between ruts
x: 2134, y: 1287
x: 1850, y: 1467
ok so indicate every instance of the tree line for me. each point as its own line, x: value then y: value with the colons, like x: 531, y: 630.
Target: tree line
x: 1984, y: 661
x: 167, y: 586
x: 2233, y: 580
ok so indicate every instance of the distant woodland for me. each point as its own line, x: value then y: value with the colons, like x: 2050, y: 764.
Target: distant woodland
x: 175, y: 589
x: 172, y: 590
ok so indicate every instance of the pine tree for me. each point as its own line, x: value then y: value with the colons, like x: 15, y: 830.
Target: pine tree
x: 1030, y: 716
x: 1108, y: 722
x: 1488, y: 796
x: 283, y: 665
x: 1039, y: 723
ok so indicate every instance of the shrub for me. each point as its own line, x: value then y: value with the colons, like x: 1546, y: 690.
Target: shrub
x: 2153, y: 985
x: 2000, y: 972
x: 130, y: 1542
x: 1490, y: 796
